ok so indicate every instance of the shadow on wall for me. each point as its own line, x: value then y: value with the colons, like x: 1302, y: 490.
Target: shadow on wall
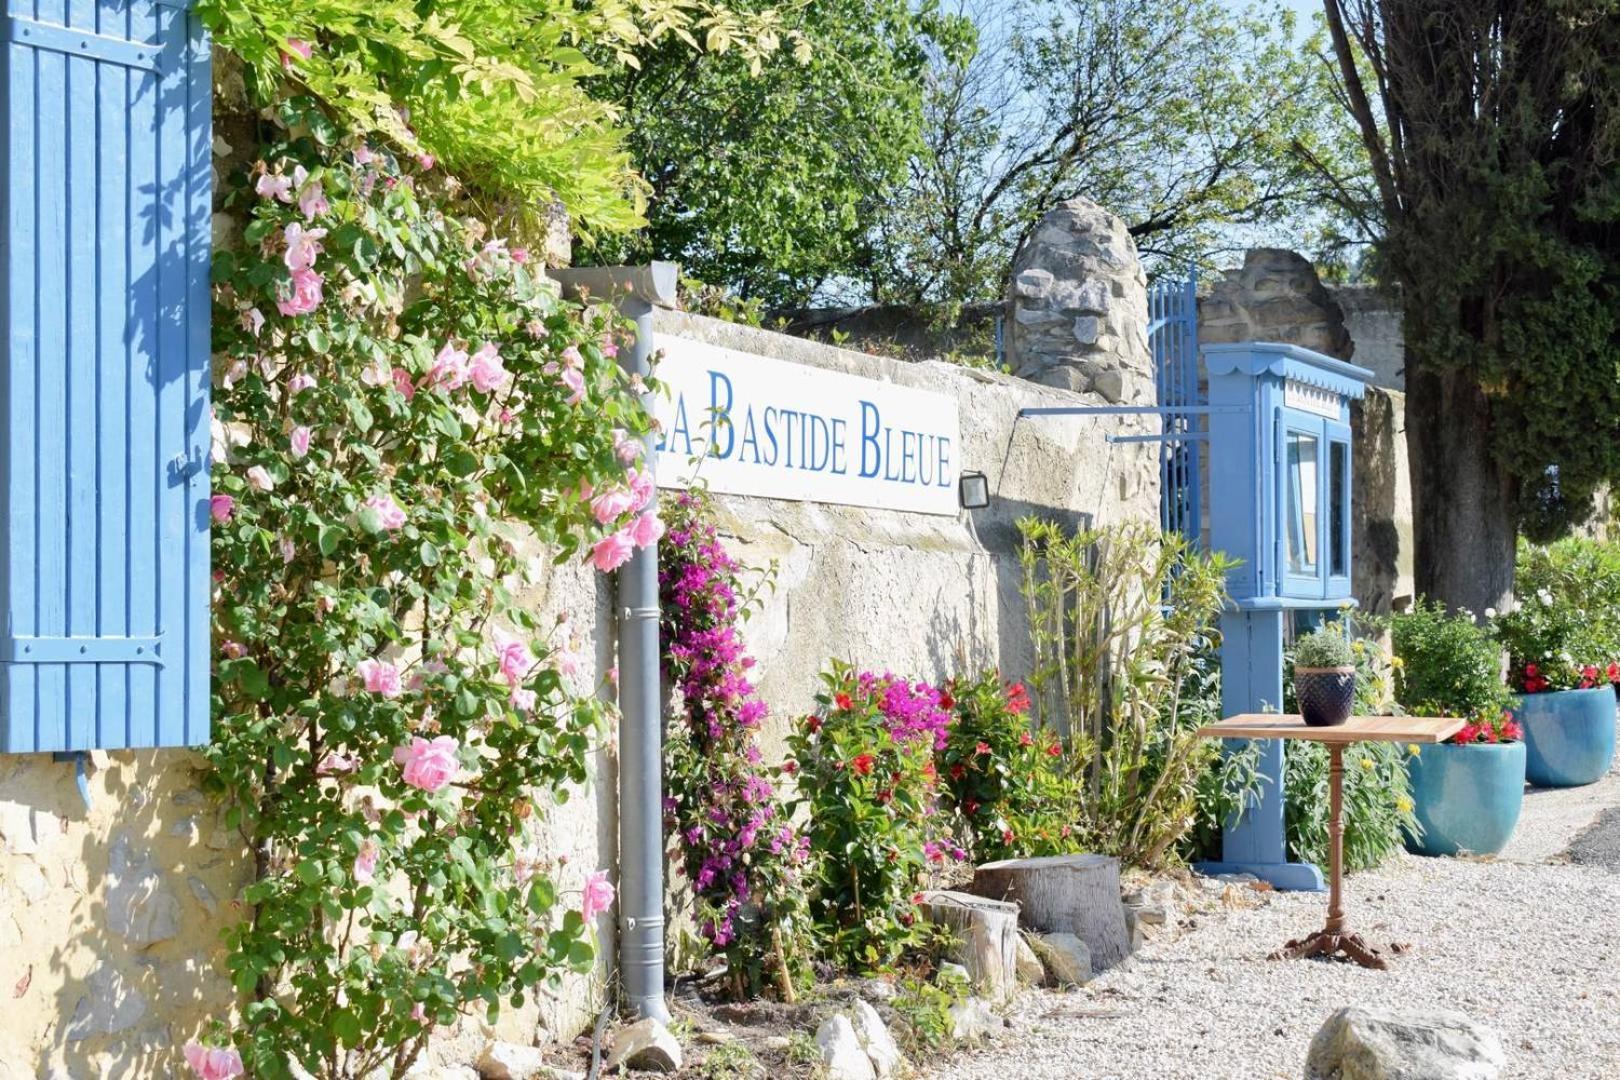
x: 110, y: 916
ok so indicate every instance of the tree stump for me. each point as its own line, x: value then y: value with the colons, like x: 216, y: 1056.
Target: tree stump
x: 987, y: 938
x: 1064, y: 894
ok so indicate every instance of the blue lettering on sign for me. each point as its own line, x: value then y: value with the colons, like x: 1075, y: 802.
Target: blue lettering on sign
x: 838, y: 427
x: 720, y: 414
x: 680, y: 429
x: 944, y: 461
x: 749, y: 438
x: 870, y: 427
x: 770, y: 433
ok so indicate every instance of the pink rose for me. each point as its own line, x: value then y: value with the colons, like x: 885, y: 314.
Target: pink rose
x: 626, y: 447
x: 312, y: 201
x: 389, y: 514
x: 233, y: 650
x: 646, y: 530
x: 642, y: 486
x: 611, y: 505
x: 612, y: 552
x: 610, y: 348
x: 258, y: 478
x: 520, y: 255
x: 402, y: 383
x: 299, y: 383
x: 213, y: 1062
x: 221, y: 507
x: 598, y: 895
x: 487, y: 370
x: 426, y: 161
x: 379, y: 677
x: 575, y: 381
x: 428, y: 765
x: 253, y: 321
x: 419, y: 1013
x: 449, y: 368
x: 306, y: 294
x: 571, y: 357
x: 303, y: 247
x: 523, y: 699
x: 300, y: 442
x: 296, y: 47
x: 333, y: 763
x: 365, y: 864
x: 272, y: 186
x: 514, y: 657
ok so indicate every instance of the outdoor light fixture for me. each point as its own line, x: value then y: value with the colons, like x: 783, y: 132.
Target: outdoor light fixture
x: 973, y: 491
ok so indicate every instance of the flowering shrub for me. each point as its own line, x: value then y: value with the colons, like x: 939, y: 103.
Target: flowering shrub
x: 1447, y: 665
x: 1553, y: 645
x: 743, y: 857
x: 395, y: 392
x: 1014, y: 786
x: 867, y: 779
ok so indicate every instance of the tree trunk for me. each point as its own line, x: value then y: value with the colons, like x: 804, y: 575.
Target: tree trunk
x: 1067, y: 894
x: 986, y: 938
x: 1463, y: 504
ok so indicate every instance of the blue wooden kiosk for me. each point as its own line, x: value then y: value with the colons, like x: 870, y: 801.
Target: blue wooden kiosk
x: 1279, y: 499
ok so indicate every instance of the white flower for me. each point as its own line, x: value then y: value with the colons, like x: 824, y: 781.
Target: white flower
x: 260, y: 479
x: 1490, y: 613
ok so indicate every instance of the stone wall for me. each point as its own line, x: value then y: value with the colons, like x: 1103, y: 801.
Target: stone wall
x: 1274, y: 296
x: 1373, y: 319
x: 110, y: 916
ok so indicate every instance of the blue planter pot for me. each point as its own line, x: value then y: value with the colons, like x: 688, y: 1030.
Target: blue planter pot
x: 1467, y: 798
x: 1568, y: 735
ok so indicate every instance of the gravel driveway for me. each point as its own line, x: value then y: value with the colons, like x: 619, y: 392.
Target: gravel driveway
x: 1530, y: 947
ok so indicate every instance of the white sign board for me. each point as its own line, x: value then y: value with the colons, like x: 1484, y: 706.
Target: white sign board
x: 1311, y: 399
x: 750, y: 425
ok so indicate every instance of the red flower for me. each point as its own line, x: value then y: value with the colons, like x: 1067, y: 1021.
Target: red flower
x: 843, y: 701
x: 1530, y: 670
x: 958, y: 771
x: 1512, y: 730
x: 884, y: 796
x: 1017, y: 698
x: 1056, y: 750
x: 863, y: 764
x: 790, y: 767
x: 917, y: 898
x: 946, y: 701
x: 1007, y: 836
x: 1026, y: 739
x: 982, y: 748
x: 971, y: 807
x: 813, y: 723
x: 1468, y: 734
x: 1613, y: 671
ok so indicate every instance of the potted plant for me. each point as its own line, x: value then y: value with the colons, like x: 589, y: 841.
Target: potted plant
x: 1565, y: 703
x: 1325, y: 676
x: 1466, y: 793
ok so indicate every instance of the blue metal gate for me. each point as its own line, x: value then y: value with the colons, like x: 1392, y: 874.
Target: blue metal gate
x: 1173, y: 336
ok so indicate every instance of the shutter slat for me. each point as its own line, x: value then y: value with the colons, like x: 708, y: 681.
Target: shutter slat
x: 104, y: 545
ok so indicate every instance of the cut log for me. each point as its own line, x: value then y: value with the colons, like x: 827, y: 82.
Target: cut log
x: 986, y: 937
x: 1064, y: 894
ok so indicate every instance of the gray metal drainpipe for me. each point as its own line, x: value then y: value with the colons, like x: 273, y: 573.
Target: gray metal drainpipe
x: 637, y: 290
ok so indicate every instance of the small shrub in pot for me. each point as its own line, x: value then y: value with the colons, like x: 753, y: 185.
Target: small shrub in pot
x: 1325, y: 676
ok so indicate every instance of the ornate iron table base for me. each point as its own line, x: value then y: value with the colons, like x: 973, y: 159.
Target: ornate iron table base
x: 1333, y: 944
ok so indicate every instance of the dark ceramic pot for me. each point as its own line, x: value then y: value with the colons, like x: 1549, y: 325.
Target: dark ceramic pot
x: 1326, y: 696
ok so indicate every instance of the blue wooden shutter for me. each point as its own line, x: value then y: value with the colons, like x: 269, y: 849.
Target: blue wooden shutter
x: 103, y: 388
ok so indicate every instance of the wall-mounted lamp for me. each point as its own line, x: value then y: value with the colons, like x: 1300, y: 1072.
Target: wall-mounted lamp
x: 973, y: 491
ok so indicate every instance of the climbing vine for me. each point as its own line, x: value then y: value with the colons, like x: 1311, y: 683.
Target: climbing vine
x: 405, y: 410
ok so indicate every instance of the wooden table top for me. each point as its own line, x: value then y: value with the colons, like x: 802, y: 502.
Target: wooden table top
x: 1405, y: 729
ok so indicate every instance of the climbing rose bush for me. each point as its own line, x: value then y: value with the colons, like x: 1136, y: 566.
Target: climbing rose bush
x: 400, y: 401
x: 736, y: 846
x: 869, y: 788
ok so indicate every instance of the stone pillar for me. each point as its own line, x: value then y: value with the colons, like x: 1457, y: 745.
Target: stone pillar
x: 1078, y: 307
x: 1274, y: 296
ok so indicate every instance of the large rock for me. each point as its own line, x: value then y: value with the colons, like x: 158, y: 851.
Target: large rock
x: 986, y: 933
x: 1030, y: 968
x: 842, y: 1056
x: 972, y: 1020
x: 881, y: 1049
x: 1379, y: 1044
x: 1064, y: 894
x: 510, y: 1061
x: 1064, y: 958
x: 1275, y: 296
x: 647, y: 1045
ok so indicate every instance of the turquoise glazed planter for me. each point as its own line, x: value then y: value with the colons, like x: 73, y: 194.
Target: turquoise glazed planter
x: 1467, y: 798
x: 1568, y: 735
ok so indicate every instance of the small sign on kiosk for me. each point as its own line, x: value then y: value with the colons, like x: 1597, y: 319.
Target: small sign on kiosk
x: 1280, y: 489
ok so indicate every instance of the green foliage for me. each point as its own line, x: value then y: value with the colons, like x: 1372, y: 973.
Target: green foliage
x: 1446, y: 665
x: 1119, y: 619
x: 768, y: 186
x: 1578, y: 573
x: 1324, y: 647
x: 924, y: 1011
x: 730, y: 1061
x: 1189, y: 119
x: 867, y: 783
x: 1018, y: 794
x: 370, y: 500
x: 493, y: 91
x: 1560, y: 634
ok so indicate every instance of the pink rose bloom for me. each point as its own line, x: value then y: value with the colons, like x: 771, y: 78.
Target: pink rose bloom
x: 379, y: 677
x: 598, y: 895
x: 389, y: 514
x: 363, y: 155
x: 612, y: 552
x: 296, y: 47
x: 303, y: 247
x: 642, y: 486
x: 610, y: 348
x: 428, y: 765
x: 514, y: 657
x: 571, y: 357
x: 258, y: 478
x: 299, y: 383
x: 365, y: 864
x: 306, y: 294
x: 377, y: 373
x: 213, y: 1062
x: 523, y: 699
x: 426, y: 161
x: 300, y: 442
x: 449, y: 368
x: 335, y: 764
x: 646, y: 530
x: 233, y: 650
x: 520, y: 255
x: 575, y: 381
x: 402, y: 383
x: 626, y: 447
x: 536, y: 328
x: 253, y: 321
x: 487, y: 370
x: 419, y: 1013
x: 221, y: 507
x: 312, y: 201
x: 271, y: 186
x: 612, y: 505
